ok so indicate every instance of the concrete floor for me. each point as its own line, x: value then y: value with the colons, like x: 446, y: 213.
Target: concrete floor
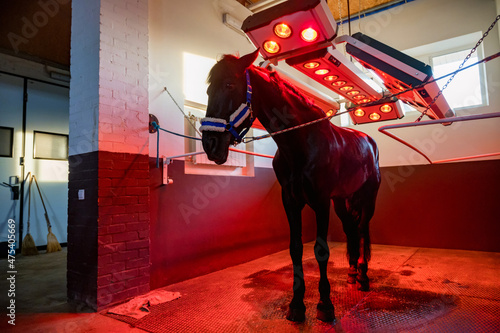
x: 413, y: 290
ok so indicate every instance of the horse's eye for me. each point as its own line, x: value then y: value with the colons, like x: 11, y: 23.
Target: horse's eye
x: 230, y: 86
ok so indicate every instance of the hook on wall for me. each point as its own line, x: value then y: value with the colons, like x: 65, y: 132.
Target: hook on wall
x: 152, y: 128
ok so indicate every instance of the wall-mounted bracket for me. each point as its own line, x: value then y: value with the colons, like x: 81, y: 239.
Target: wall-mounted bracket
x: 166, y: 162
x: 153, y: 118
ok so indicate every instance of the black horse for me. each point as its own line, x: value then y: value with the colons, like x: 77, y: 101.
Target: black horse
x: 313, y: 164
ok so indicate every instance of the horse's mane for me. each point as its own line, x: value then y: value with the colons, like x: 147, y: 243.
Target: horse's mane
x: 227, y: 65
x: 289, y: 88
x: 224, y: 67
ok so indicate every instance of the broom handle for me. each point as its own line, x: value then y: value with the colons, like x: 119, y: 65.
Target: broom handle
x: 43, y: 203
x: 29, y: 199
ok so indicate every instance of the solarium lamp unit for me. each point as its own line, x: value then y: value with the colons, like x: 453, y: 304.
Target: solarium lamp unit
x: 332, y: 69
x: 383, y: 110
x: 399, y: 72
x: 291, y: 28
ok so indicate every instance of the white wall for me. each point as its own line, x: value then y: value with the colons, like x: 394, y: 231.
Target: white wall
x: 109, y: 76
x: 195, y: 26
x: 498, y: 13
x: 84, y: 92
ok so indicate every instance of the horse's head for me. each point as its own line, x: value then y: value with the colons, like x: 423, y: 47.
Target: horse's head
x: 226, y: 112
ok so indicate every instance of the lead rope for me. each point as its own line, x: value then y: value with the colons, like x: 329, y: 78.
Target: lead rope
x: 459, y: 68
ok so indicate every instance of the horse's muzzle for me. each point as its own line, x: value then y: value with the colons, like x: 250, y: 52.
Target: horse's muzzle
x: 216, y: 146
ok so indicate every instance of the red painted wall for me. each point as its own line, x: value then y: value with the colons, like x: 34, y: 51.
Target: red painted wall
x: 451, y: 206
x: 200, y: 224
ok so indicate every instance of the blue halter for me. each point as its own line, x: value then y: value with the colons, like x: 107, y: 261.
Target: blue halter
x: 235, y: 120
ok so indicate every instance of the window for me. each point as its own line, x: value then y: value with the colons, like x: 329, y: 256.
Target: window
x: 6, y: 141
x: 196, y: 69
x: 50, y: 146
x: 468, y: 88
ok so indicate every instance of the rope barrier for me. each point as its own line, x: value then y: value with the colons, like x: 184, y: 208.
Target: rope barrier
x: 158, y: 128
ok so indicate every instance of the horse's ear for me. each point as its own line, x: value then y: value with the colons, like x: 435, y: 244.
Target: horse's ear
x: 247, y: 60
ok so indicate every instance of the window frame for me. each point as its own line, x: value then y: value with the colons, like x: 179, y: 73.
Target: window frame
x: 10, y: 142
x: 39, y: 156
x: 197, y: 109
x: 426, y: 53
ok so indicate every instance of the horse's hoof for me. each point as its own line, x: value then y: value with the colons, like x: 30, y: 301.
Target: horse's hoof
x: 364, y: 285
x: 351, y: 279
x: 325, y: 312
x: 363, y: 280
x: 296, y: 315
x: 352, y: 273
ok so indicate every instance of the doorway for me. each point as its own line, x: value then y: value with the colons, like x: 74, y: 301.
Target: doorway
x: 34, y: 126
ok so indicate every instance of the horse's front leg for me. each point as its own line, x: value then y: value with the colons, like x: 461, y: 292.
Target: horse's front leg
x: 325, y: 309
x: 293, y: 209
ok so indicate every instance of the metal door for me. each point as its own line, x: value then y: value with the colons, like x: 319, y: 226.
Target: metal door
x: 39, y: 114
x: 47, y: 124
x: 11, y: 120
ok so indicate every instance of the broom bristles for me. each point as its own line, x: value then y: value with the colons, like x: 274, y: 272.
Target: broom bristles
x: 29, y: 247
x: 52, y: 243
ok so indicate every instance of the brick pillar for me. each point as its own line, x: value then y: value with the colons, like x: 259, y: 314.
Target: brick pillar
x: 108, y: 229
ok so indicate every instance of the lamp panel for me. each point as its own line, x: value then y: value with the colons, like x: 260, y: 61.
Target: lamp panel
x: 385, y: 110
x: 330, y: 68
x: 399, y: 72
x: 291, y: 28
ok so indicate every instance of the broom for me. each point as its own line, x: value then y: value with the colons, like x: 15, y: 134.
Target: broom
x: 29, y: 247
x: 52, y: 243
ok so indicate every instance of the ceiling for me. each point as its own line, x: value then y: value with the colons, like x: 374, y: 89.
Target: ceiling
x: 356, y: 7
x: 46, y: 40
x: 52, y: 43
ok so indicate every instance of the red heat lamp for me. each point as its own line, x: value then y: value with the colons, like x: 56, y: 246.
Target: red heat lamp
x: 330, y: 68
x: 399, y: 72
x: 291, y: 28
x: 383, y: 110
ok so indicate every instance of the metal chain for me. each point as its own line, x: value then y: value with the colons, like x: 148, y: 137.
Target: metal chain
x: 340, y: 18
x: 255, y: 138
x: 459, y: 67
x: 268, y: 135
x: 359, y: 15
x: 250, y: 139
x: 496, y: 55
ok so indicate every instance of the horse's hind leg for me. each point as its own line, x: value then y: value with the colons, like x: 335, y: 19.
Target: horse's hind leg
x: 350, y: 226
x: 293, y: 209
x: 355, y: 214
x: 325, y: 309
x: 367, y: 211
